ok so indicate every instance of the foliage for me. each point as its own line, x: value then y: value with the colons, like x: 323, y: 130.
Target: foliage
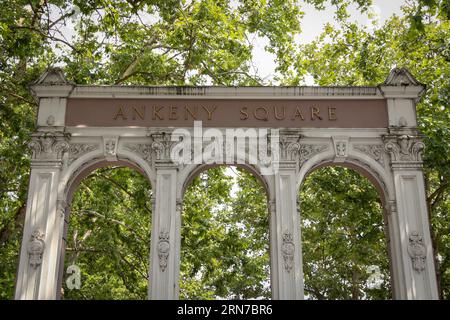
x: 180, y: 42
x: 225, y: 241
x: 343, y: 236
x: 352, y: 55
x: 109, y: 235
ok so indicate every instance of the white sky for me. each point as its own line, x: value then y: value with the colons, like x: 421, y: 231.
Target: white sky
x: 312, y: 26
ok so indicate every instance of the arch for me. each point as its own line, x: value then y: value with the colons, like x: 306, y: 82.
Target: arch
x: 186, y: 176
x: 323, y: 212
x: 263, y: 227
x: 363, y: 164
x: 74, y: 174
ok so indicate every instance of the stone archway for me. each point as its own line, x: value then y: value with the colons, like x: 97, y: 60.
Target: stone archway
x: 374, y: 128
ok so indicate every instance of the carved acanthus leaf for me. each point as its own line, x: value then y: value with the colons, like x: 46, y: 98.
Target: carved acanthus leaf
x: 76, y: 150
x: 404, y: 150
x: 49, y: 145
x: 308, y: 151
x: 375, y: 151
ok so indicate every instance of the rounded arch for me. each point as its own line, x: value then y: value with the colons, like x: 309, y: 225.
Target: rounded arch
x: 359, y: 167
x: 375, y: 172
x: 189, y: 173
x: 91, y: 161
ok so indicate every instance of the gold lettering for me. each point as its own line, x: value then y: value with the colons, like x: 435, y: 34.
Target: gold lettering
x: 188, y: 110
x: 244, y: 113
x: 120, y: 113
x: 139, y: 113
x: 210, y: 112
x: 173, y: 113
x: 156, y: 114
x: 315, y: 112
x: 332, y: 113
x: 265, y: 116
x: 298, y: 113
x: 276, y: 113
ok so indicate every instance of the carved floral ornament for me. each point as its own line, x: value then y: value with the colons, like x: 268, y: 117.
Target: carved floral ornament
x: 163, y: 249
x: 375, y: 151
x: 287, y: 249
x: 49, y: 145
x: 35, y: 248
x: 404, y: 148
x: 76, y: 150
x: 417, y: 251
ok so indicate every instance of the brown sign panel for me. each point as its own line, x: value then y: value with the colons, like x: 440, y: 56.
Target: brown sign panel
x: 256, y: 113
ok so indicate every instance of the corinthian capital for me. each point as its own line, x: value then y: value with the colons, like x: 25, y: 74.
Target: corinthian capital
x: 405, y: 151
x: 48, y: 146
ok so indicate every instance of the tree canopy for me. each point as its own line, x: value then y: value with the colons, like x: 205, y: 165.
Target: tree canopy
x: 180, y: 42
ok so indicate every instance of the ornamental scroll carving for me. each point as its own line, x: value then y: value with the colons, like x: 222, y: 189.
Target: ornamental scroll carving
x: 49, y: 145
x: 287, y: 249
x: 163, y: 249
x: 404, y: 148
x: 308, y: 151
x: 76, y: 150
x: 142, y: 149
x: 417, y: 251
x: 375, y: 151
x: 35, y: 248
x: 161, y: 145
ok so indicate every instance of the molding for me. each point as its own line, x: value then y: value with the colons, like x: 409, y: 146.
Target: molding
x: 222, y: 92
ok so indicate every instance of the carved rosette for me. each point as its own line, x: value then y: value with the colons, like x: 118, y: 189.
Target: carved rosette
x: 77, y: 150
x: 375, y: 151
x: 35, y: 248
x: 48, y: 145
x: 405, y: 151
x: 417, y: 251
x: 287, y: 249
x: 163, y: 249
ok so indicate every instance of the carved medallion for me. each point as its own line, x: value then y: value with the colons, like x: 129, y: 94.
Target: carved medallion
x: 163, y: 249
x: 417, y: 251
x: 288, y: 249
x: 35, y: 248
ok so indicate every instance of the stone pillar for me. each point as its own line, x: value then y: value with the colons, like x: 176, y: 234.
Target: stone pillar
x: 412, y: 261
x: 411, y: 249
x: 166, y: 224
x: 37, y: 277
x: 286, y: 251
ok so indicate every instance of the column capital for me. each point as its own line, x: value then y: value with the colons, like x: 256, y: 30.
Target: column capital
x: 405, y: 150
x: 161, y: 145
x: 48, y: 148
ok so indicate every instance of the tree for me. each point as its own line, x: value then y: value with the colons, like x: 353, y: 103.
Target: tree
x: 181, y: 42
x: 351, y: 55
